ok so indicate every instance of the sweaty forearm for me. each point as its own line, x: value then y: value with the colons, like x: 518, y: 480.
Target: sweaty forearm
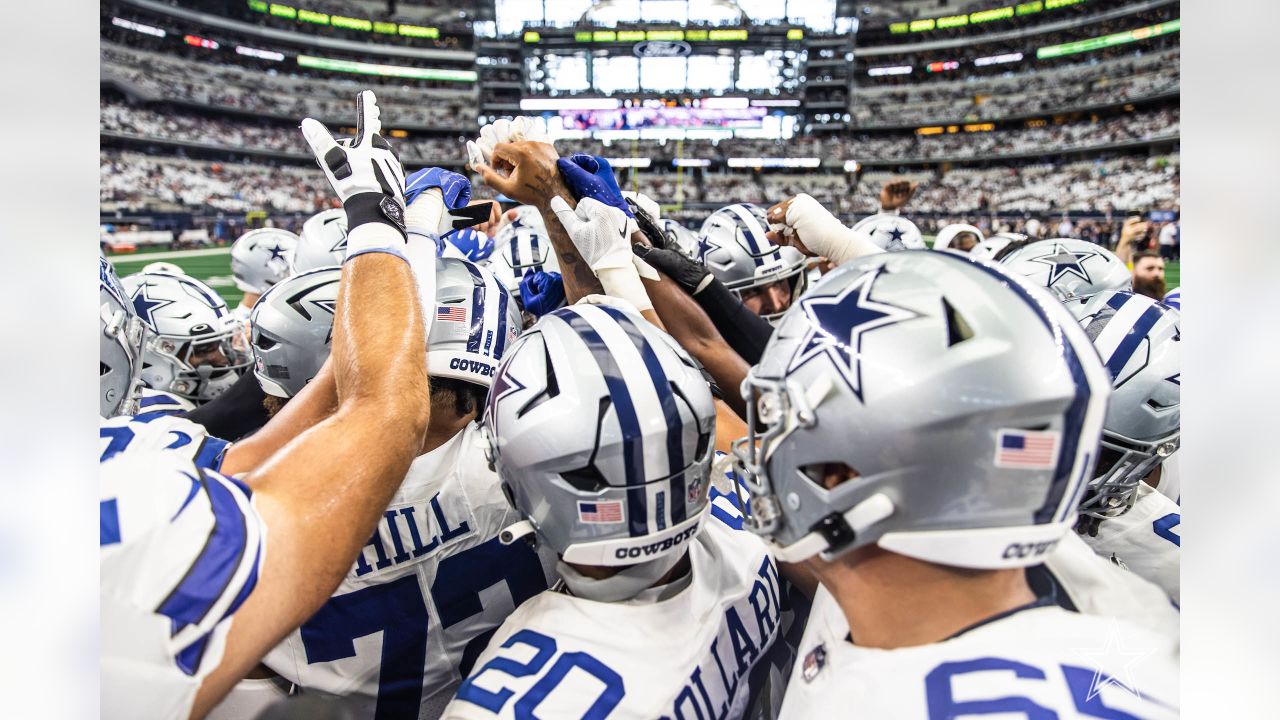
x: 317, y: 401
x: 690, y: 326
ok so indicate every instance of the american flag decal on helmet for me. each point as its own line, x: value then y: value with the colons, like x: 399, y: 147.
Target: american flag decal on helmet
x: 1026, y: 449
x: 600, y: 512
x: 452, y: 313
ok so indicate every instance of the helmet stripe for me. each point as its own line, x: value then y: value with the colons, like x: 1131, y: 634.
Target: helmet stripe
x: 1132, y: 338
x: 628, y: 422
x: 500, y: 345
x: 748, y: 224
x: 670, y: 412
x: 477, y: 309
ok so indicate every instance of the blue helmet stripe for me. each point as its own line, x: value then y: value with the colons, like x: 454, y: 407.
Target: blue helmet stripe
x: 1073, y: 417
x: 670, y: 412
x: 632, y: 439
x: 217, y: 305
x: 208, y: 577
x: 477, y: 308
x: 740, y: 222
x: 500, y: 345
x: 1132, y: 339
x: 534, y: 251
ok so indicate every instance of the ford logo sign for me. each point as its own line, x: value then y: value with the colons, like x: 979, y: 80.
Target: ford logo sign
x: 661, y: 48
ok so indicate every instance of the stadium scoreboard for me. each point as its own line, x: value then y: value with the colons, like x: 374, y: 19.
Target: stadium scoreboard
x: 677, y: 81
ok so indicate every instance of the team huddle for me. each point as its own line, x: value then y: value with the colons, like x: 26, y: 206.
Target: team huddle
x: 572, y: 460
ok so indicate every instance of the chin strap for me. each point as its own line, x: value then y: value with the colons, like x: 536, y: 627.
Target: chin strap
x: 623, y: 585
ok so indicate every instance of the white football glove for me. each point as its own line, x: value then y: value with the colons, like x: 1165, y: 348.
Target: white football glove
x: 480, y: 151
x: 823, y: 233
x: 602, y: 235
x: 366, y: 176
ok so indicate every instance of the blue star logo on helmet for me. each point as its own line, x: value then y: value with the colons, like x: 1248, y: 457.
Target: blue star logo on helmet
x: 146, y: 306
x: 341, y: 245
x: 1063, y: 262
x: 277, y: 253
x: 837, y: 324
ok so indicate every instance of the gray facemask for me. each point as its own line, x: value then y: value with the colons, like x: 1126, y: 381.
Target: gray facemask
x: 624, y: 585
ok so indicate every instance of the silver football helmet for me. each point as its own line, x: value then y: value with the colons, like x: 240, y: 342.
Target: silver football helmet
x: 476, y: 320
x: 121, y: 338
x: 292, y: 329
x: 602, y: 429
x: 520, y: 246
x: 939, y: 407
x: 261, y: 258
x: 680, y: 238
x: 1140, y: 343
x: 893, y: 233
x: 323, y: 242
x: 732, y: 245
x: 1070, y: 268
x: 192, y: 350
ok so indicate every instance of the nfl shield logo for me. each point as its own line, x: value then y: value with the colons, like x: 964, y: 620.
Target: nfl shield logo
x: 814, y: 662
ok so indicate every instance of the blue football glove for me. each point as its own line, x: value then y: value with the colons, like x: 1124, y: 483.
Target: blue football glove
x: 591, y: 176
x: 455, y: 188
x: 541, y: 292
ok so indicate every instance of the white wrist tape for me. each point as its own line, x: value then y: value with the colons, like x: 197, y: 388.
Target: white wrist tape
x: 824, y: 234
x: 625, y: 283
x: 425, y: 212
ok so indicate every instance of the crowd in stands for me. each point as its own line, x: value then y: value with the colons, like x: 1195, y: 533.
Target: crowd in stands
x: 1018, y: 93
x: 291, y: 96
x: 137, y: 180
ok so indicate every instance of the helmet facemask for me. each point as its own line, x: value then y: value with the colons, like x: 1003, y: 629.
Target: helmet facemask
x: 171, y: 360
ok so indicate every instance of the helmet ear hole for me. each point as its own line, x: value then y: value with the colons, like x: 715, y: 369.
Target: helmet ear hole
x: 586, y: 479
x: 957, y: 329
x: 829, y: 475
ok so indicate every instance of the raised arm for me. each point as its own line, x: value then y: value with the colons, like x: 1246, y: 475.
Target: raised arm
x: 321, y: 495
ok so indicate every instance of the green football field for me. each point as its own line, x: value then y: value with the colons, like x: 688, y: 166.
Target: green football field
x: 214, y: 267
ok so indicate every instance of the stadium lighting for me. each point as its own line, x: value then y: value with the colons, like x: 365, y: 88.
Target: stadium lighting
x: 570, y: 104
x: 138, y: 27
x: 1106, y: 41
x: 786, y: 162
x: 998, y: 59
x: 261, y: 54
x: 362, y: 68
x: 890, y: 70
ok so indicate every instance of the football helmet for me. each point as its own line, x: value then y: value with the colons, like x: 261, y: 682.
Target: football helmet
x: 680, y: 238
x: 893, y: 233
x: 121, y: 338
x: 476, y: 320
x: 520, y: 246
x: 1071, y: 269
x: 323, y: 242
x: 471, y: 244
x: 942, y: 408
x: 990, y: 247
x: 163, y: 267
x: 1140, y: 343
x: 1173, y: 299
x: 733, y: 246
x: 261, y: 258
x: 942, y: 241
x: 191, y: 350
x: 291, y: 330
x: 601, y: 429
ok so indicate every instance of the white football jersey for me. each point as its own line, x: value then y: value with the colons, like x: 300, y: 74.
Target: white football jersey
x: 160, y: 432
x: 179, y: 552
x: 1039, y: 662
x: 1096, y: 586
x: 423, y: 597
x: 164, y: 403
x: 1170, y: 484
x: 1145, y: 539
x: 699, y: 647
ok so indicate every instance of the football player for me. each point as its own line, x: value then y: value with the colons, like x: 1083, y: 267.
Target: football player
x: 259, y: 259
x: 602, y: 430
x: 892, y: 233
x: 1074, y: 270
x: 433, y: 579
x: 1122, y: 516
x: 926, y: 425
x: 191, y: 349
x: 734, y: 247
x: 959, y: 237
x: 192, y: 597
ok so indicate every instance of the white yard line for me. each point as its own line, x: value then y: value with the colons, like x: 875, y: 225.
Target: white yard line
x: 171, y: 255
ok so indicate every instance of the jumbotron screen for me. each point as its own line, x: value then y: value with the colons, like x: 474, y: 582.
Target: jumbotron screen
x: 639, y: 118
